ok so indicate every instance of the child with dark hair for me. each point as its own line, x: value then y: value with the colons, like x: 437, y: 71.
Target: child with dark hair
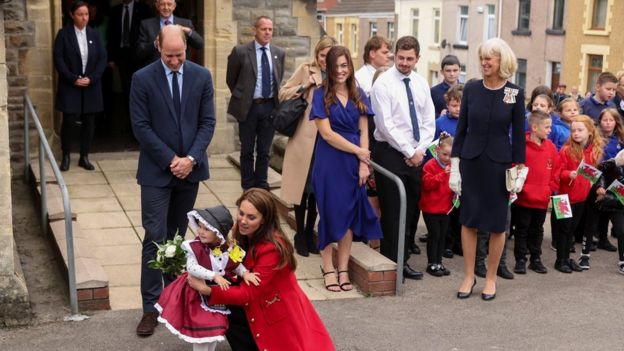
x: 601, y: 99
x: 450, y: 69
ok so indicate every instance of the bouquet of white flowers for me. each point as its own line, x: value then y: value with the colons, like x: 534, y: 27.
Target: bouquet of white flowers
x: 170, y: 257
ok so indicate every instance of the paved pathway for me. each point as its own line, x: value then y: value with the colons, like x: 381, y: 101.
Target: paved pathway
x: 108, y: 207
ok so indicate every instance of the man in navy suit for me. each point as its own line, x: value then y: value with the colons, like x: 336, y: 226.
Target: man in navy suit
x: 173, y: 118
x: 254, y: 74
x: 146, y: 49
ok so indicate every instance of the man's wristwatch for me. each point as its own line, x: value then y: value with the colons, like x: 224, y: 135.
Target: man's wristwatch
x: 192, y: 159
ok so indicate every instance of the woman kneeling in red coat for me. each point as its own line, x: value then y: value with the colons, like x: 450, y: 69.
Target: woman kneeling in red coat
x: 279, y: 314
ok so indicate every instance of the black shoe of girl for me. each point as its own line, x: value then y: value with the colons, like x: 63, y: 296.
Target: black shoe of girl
x: 434, y: 270
x: 300, y: 245
x: 574, y: 266
x: 520, y: 267
x: 606, y: 245
x: 448, y: 253
x: 537, y: 266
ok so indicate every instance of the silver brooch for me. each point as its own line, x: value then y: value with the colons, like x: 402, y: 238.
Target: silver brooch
x: 510, y: 95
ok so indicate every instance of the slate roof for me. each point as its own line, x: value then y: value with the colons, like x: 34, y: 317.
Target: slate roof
x: 362, y: 6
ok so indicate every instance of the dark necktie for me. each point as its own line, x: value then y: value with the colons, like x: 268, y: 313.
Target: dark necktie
x: 125, y: 36
x: 167, y: 22
x: 412, y: 110
x: 175, y: 90
x: 266, y: 74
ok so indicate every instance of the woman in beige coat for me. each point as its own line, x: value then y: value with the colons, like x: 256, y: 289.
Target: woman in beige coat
x: 296, y: 185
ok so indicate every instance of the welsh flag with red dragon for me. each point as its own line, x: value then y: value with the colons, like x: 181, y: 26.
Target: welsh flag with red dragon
x: 588, y: 172
x: 618, y: 189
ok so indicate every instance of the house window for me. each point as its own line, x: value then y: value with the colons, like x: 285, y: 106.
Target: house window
x: 555, y: 74
x: 490, y: 22
x: 462, y: 73
x: 524, y: 14
x: 339, y: 33
x: 433, y: 77
x: 521, y: 73
x: 372, y: 26
x: 390, y: 31
x: 462, y: 36
x: 415, y: 18
x: 354, y: 38
x: 436, y: 26
x: 594, y: 68
x: 558, y: 14
x: 599, y: 14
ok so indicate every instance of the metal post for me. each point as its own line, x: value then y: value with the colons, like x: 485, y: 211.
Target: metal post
x: 26, y: 144
x: 42, y: 185
x: 71, y: 269
x: 401, y: 234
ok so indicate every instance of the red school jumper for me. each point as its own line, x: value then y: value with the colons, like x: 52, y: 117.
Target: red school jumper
x: 280, y: 316
x: 435, y: 195
x: 543, y: 177
x: 578, y: 189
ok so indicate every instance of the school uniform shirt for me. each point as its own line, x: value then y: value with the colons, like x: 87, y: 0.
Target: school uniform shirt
x: 612, y: 148
x: 392, y: 115
x: 435, y: 194
x: 591, y: 107
x: 280, y: 315
x: 577, y: 189
x: 446, y: 123
x: 543, y: 177
x: 559, y: 132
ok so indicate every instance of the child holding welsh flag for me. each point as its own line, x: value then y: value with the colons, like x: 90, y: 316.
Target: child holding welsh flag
x: 610, y: 202
x: 585, y: 146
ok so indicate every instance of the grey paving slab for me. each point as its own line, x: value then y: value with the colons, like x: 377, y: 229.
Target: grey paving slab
x: 207, y: 200
x: 126, y: 189
x: 228, y: 186
x: 100, y: 204
x: 227, y: 198
x: 225, y: 174
x: 49, y: 174
x: 107, y: 220
x: 125, y: 297
x: 84, y: 178
x: 83, y: 191
x: 111, y: 236
x: 115, y: 177
x: 219, y: 162
x: 118, y: 165
x: 118, y: 255
x: 135, y: 217
x: 130, y: 203
x: 124, y: 275
x: 273, y: 178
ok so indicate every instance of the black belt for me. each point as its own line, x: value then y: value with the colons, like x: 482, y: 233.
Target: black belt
x: 261, y: 101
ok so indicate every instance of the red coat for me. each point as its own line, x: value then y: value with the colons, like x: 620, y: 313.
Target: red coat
x: 543, y: 177
x: 278, y: 312
x: 435, y: 195
x: 578, y: 189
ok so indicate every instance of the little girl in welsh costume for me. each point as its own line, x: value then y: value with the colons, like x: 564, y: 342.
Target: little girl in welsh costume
x: 210, y: 257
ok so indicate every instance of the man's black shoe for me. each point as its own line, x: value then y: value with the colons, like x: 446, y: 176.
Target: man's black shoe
x: 574, y: 266
x: 503, y: 272
x: 84, y: 163
x: 65, y: 163
x: 414, y: 249
x: 409, y: 273
x: 562, y: 266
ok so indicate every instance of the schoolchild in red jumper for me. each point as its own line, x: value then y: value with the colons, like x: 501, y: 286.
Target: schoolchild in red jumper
x: 436, y: 203
x: 585, y: 143
x: 529, y: 210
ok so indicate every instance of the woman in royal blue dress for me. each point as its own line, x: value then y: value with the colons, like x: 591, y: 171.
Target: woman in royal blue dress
x: 341, y: 166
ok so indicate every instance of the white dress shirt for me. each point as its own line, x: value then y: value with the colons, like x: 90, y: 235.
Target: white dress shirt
x: 364, y: 77
x: 169, y: 75
x: 218, y: 264
x: 258, y: 88
x: 81, y: 35
x: 392, y: 118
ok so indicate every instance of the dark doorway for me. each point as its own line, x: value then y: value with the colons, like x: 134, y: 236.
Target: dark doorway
x: 112, y: 127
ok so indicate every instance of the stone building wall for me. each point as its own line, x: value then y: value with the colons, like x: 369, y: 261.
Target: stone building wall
x: 19, y: 39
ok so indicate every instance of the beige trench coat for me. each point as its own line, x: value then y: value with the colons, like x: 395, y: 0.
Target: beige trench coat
x: 300, y: 146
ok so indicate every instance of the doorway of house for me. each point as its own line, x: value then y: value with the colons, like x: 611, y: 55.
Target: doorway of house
x: 113, y: 132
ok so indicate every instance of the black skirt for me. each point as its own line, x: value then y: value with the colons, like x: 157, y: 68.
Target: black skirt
x: 484, y: 198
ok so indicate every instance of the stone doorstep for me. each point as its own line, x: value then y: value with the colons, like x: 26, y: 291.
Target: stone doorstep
x: 373, y: 273
x: 274, y: 178
x: 56, y: 210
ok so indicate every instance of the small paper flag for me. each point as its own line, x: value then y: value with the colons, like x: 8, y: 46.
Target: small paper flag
x: 589, y: 172
x: 432, y: 148
x: 455, y: 203
x: 561, y: 206
x: 618, y: 189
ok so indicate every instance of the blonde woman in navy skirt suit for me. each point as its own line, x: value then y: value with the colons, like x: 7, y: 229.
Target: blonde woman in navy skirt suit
x: 489, y: 138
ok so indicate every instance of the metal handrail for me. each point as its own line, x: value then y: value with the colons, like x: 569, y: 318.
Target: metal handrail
x: 45, y: 151
x: 401, y: 234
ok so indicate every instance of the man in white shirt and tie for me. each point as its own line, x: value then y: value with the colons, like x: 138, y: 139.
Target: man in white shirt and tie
x: 405, y: 126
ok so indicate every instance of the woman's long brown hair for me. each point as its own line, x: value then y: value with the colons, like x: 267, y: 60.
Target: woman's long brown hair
x: 270, y: 229
x: 330, y: 83
x: 595, y: 140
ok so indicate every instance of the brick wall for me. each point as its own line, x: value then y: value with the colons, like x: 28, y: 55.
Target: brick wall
x: 19, y: 37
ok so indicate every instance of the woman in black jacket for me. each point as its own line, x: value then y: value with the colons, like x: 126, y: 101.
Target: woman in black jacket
x: 80, y: 60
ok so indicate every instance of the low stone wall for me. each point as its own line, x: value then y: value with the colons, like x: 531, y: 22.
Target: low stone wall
x: 14, y: 303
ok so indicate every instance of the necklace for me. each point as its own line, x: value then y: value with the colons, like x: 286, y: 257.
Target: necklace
x: 497, y: 87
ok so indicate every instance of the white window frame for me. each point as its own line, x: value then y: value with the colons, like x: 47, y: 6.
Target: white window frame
x: 340, y: 33
x: 437, y: 25
x: 462, y: 17
x: 372, y: 28
x: 391, y: 31
x: 415, y: 20
x: 354, y: 38
x: 490, y: 22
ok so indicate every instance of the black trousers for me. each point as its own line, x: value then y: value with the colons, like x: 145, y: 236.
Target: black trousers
x: 239, y: 334
x: 256, y: 134
x: 393, y: 160
x: 87, y: 127
x: 483, y: 242
x: 437, y: 225
x: 529, y: 231
x: 453, y: 232
x: 566, y: 228
x: 598, y: 222
x: 163, y: 212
